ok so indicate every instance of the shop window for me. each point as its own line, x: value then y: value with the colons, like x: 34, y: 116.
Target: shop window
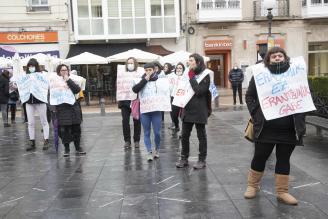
x: 318, y: 56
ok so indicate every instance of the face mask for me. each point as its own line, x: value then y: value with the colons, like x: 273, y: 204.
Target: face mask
x: 31, y: 69
x: 235, y: 67
x: 130, y: 67
x: 179, y: 72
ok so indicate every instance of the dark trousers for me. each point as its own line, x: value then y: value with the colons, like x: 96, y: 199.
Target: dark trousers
x: 235, y: 88
x: 126, y: 112
x: 70, y: 133
x: 201, y: 134
x: 263, y: 152
x: 175, y: 114
x: 25, y: 114
x: 12, y: 108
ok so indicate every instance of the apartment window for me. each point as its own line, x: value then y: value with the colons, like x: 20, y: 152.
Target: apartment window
x: 207, y: 4
x: 90, y: 18
x: 318, y: 56
x: 37, y: 5
x: 162, y: 16
x: 233, y: 4
x: 126, y: 17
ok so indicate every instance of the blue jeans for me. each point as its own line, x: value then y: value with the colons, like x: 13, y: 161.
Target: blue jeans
x: 147, y: 119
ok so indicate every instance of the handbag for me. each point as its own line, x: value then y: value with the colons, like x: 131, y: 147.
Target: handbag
x: 135, y: 109
x: 14, y: 96
x: 249, y: 131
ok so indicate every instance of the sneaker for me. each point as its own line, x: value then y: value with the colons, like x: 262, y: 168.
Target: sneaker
x: 31, y: 146
x: 45, y: 145
x: 200, y: 165
x: 66, y: 153
x: 127, y: 145
x: 156, y: 154
x: 172, y: 126
x: 80, y: 151
x: 6, y: 125
x: 13, y: 122
x: 150, y: 156
x: 182, y: 163
x: 136, y: 144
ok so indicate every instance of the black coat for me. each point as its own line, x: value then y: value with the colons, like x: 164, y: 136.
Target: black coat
x: 259, y: 120
x: 196, y: 110
x: 124, y: 103
x: 69, y: 114
x: 236, y: 76
x: 4, y: 89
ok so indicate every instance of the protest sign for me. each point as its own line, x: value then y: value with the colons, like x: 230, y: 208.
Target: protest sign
x: 124, y: 83
x: 155, y: 96
x: 184, y: 91
x: 59, y: 91
x: 283, y: 94
x: 36, y: 84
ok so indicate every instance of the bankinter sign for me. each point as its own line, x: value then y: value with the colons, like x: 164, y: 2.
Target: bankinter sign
x: 28, y: 37
x: 217, y: 45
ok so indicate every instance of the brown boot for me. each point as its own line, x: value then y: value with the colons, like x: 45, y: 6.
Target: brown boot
x: 253, y: 183
x: 282, y: 182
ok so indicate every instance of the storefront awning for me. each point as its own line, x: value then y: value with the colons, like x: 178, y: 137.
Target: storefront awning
x: 106, y: 50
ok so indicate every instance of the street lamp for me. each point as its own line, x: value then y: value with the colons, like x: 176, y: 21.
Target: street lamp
x: 269, y: 5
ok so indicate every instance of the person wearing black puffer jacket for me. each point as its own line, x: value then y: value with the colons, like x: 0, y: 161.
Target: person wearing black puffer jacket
x: 69, y: 116
x: 283, y: 133
x: 4, y: 96
x: 236, y: 78
x: 196, y: 112
x: 131, y: 65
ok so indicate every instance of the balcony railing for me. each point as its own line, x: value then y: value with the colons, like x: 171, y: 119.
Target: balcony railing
x: 219, y: 4
x: 219, y: 10
x: 280, y: 11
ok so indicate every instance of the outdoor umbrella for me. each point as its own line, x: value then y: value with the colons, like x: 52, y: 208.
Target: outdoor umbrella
x: 180, y: 56
x: 140, y: 55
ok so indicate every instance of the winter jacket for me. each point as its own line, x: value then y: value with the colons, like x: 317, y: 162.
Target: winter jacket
x: 196, y: 110
x: 69, y: 114
x: 259, y: 120
x: 236, y: 76
x: 4, y: 89
x: 124, y: 103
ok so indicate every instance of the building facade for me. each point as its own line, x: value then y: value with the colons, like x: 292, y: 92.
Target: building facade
x: 235, y: 32
x: 32, y: 26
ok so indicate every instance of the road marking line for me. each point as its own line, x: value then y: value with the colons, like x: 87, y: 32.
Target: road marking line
x: 168, y: 188
x: 110, y: 203
x: 173, y: 199
x: 310, y: 184
x: 6, y: 202
x: 40, y: 190
x: 165, y: 180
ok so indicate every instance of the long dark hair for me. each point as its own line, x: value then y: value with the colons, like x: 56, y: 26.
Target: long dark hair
x: 35, y: 63
x: 274, y: 50
x: 135, y: 62
x: 59, y: 68
x: 169, y: 68
x: 199, y: 62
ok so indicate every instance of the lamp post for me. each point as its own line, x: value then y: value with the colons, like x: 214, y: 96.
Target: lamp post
x: 269, y: 5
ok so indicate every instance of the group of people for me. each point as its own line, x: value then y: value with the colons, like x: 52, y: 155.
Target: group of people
x: 283, y: 133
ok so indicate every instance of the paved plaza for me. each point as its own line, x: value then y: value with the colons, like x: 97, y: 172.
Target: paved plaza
x: 113, y: 183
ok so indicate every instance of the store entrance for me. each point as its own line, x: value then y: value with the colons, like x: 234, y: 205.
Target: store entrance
x: 216, y: 64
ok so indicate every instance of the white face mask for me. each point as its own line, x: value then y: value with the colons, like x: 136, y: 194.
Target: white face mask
x: 235, y: 67
x: 31, y: 69
x: 130, y: 67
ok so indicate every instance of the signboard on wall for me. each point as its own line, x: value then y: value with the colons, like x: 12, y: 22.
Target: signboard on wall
x: 224, y: 44
x: 28, y: 37
x: 25, y: 50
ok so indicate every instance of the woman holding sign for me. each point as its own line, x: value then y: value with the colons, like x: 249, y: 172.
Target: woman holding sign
x: 196, y: 112
x: 34, y: 104
x: 69, y: 116
x: 284, y: 133
x: 154, y: 95
x: 131, y: 66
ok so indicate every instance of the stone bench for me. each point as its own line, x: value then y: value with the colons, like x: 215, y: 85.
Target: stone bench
x: 319, y: 122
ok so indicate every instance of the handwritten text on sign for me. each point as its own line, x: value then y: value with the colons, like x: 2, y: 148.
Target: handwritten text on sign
x: 284, y: 94
x: 155, y: 96
x: 124, y: 83
x: 35, y: 84
x: 59, y: 91
x: 184, y: 91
